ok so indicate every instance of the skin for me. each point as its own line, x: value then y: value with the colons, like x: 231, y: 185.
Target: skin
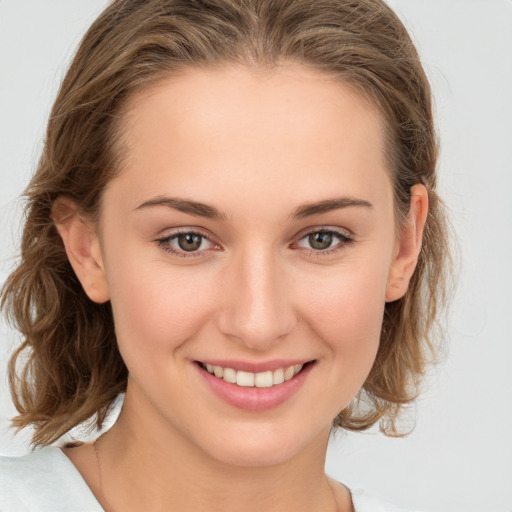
x: 255, y: 145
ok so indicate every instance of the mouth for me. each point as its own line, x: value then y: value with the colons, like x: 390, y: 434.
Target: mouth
x: 246, y: 379
x: 267, y: 386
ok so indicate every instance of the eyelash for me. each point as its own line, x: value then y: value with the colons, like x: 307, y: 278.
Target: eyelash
x: 344, y: 241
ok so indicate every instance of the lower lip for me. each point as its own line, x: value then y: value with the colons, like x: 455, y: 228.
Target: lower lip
x: 253, y: 398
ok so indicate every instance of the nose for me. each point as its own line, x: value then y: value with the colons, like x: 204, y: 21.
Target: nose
x: 257, y: 310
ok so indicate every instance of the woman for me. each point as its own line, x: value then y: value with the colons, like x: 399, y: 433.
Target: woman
x: 235, y: 223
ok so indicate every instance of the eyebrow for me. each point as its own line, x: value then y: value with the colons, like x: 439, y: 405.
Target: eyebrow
x: 211, y: 212
x: 328, y: 205
x: 186, y: 206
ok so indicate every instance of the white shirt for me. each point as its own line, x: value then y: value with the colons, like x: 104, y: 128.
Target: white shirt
x: 47, y: 481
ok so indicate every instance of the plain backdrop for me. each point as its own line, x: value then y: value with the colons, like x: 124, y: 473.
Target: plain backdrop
x: 459, y: 457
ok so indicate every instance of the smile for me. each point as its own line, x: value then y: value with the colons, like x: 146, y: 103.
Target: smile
x: 265, y: 379
x: 268, y: 385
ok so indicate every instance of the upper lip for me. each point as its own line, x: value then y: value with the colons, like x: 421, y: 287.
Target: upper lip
x: 255, y: 367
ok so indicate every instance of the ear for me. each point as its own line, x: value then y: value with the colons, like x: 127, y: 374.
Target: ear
x: 82, y: 248
x: 408, y: 245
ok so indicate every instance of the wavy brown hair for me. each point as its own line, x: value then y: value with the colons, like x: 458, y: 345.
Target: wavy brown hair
x: 68, y: 367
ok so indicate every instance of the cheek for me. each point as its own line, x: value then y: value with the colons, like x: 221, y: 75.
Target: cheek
x: 346, y: 312
x: 158, y: 308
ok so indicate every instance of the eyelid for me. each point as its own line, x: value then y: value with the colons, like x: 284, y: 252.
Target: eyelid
x: 345, y: 232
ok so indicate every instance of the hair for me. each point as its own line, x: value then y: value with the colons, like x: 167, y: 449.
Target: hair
x: 68, y: 367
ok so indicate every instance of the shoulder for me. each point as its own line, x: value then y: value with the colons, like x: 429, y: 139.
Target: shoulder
x: 365, y: 501
x: 43, y: 481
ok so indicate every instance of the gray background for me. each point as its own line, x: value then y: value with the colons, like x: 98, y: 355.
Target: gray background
x: 459, y: 457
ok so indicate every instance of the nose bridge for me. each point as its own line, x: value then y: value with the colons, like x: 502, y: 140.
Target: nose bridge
x: 257, y: 307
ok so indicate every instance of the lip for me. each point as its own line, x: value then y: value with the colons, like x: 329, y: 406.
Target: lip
x: 253, y: 398
x: 253, y: 367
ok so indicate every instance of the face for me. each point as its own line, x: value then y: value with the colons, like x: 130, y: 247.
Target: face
x: 251, y: 229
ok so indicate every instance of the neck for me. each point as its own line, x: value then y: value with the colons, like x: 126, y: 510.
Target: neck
x: 147, y: 466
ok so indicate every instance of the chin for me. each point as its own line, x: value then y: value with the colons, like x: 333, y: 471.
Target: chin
x: 262, y: 447
x: 254, y: 456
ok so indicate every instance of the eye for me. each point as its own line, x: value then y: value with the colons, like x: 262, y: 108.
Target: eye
x: 185, y: 243
x: 324, y: 241
x: 193, y: 244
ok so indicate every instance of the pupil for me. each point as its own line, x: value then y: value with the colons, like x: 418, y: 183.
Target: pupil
x: 189, y: 242
x: 320, y: 240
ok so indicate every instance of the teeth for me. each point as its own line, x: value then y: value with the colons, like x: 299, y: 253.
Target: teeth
x: 229, y: 375
x: 245, y: 379
x: 260, y: 380
x: 278, y: 377
x: 289, y: 372
x: 264, y: 379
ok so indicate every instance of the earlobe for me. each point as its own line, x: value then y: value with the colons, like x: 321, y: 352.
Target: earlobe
x: 408, y: 245
x: 82, y: 248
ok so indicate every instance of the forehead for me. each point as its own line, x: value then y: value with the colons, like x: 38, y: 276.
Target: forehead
x: 292, y: 128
